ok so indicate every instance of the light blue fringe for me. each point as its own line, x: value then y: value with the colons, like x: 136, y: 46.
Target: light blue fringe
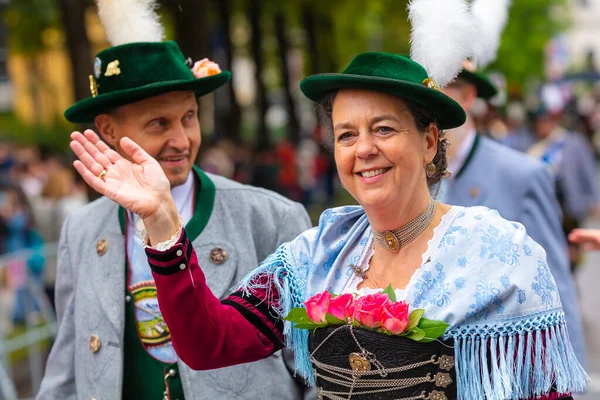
x: 290, y: 283
x: 532, y: 354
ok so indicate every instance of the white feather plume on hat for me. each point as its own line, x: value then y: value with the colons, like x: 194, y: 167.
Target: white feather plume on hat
x: 444, y: 35
x: 491, y: 17
x: 130, y: 21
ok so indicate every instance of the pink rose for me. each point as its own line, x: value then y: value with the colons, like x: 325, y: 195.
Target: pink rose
x: 316, y: 307
x: 394, y: 317
x: 205, y: 67
x: 342, y: 307
x: 368, y: 309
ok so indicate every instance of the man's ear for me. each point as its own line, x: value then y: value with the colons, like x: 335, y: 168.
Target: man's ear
x: 106, y: 126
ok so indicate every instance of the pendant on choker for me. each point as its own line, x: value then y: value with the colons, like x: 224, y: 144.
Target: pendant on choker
x: 391, y: 241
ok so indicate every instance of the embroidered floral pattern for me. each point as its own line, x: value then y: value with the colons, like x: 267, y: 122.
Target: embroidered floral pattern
x: 330, y: 216
x: 544, y: 285
x: 449, y: 238
x: 364, y: 241
x: 306, y: 263
x: 505, y: 281
x: 462, y: 262
x: 500, y: 246
x: 459, y: 283
x: 432, y: 290
x: 332, y: 253
x: 527, y: 250
x: 485, y: 297
x: 521, y: 296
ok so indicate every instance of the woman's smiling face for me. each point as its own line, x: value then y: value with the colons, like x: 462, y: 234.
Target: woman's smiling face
x: 379, y: 152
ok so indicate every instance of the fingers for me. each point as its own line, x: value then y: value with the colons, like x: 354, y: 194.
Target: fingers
x: 112, y: 155
x: 86, y: 159
x: 589, y: 237
x: 91, y: 178
x: 92, y: 148
x: 133, y: 150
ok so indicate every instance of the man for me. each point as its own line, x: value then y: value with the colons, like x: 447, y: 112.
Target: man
x: 570, y: 156
x: 112, y: 341
x: 485, y: 173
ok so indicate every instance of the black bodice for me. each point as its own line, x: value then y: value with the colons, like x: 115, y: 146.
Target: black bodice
x: 376, y: 366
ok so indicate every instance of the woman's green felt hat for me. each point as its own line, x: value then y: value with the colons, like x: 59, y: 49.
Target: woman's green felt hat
x: 135, y: 71
x: 391, y: 74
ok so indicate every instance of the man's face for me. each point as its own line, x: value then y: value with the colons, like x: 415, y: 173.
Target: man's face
x: 463, y: 92
x: 544, y: 126
x: 165, y: 126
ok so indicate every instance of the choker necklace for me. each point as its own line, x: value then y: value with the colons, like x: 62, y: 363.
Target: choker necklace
x: 399, y: 238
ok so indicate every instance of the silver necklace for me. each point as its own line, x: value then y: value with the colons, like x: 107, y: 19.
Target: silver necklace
x: 398, y: 238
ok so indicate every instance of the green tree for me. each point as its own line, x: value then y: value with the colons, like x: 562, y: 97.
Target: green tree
x: 531, y: 24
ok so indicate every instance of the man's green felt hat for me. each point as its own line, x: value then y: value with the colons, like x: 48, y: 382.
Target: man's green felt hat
x: 485, y: 88
x: 391, y: 74
x: 132, y: 72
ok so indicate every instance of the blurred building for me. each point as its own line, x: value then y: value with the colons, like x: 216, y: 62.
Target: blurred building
x: 583, y: 35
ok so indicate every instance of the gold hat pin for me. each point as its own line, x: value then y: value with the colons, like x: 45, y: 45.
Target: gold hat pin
x: 93, y: 86
x: 112, y: 68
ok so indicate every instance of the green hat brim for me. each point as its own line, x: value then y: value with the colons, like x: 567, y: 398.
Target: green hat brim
x: 87, y: 110
x: 485, y: 88
x: 449, y: 113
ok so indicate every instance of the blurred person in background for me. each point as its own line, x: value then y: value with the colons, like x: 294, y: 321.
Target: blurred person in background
x: 30, y: 171
x: 522, y: 190
x: 6, y: 160
x: 217, y: 160
x: 307, y: 155
x: 570, y: 156
x: 18, y: 234
x: 519, y: 135
x: 64, y: 192
x: 287, y: 176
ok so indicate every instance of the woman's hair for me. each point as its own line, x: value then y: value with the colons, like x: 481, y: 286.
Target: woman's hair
x: 422, y: 117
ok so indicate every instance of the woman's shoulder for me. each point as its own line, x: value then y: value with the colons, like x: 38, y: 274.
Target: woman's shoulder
x: 485, y: 231
x: 338, y: 228
x: 335, y: 224
x: 480, y: 217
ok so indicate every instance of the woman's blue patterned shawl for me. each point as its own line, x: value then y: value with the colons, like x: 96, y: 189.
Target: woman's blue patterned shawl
x: 481, y: 274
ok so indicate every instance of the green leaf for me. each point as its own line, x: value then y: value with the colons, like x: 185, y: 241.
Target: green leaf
x: 432, y: 329
x: 416, y: 334
x: 308, y: 326
x: 333, y: 320
x: 296, y: 314
x: 414, y: 318
x: 390, y: 292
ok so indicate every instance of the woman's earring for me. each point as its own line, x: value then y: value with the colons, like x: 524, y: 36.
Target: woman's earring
x: 430, y: 170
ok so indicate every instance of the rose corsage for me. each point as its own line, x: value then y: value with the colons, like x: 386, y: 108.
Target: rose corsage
x: 378, y: 312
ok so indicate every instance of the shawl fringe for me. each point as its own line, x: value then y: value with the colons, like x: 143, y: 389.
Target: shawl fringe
x: 524, y: 357
x: 291, y: 284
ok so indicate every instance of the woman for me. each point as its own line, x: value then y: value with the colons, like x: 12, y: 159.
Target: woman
x: 467, y: 267
x: 18, y: 235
